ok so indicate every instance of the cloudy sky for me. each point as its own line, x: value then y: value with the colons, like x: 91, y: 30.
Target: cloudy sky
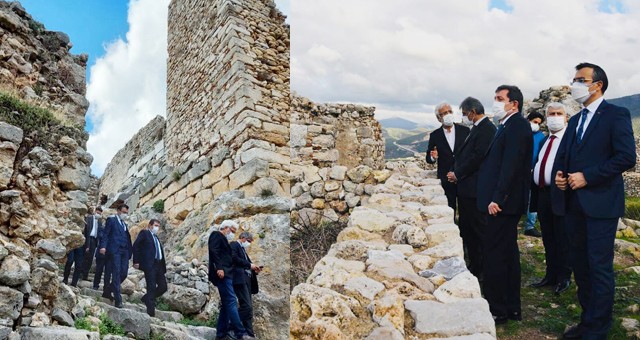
x: 406, y: 56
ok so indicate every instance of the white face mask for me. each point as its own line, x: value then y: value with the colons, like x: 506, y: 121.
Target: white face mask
x: 498, y: 110
x: 580, y: 92
x: 535, y: 127
x: 466, y: 121
x: 230, y: 236
x: 447, y: 120
x: 245, y: 244
x: 155, y: 229
x: 556, y: 123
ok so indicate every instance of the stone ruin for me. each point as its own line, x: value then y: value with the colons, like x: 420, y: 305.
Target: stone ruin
x: 337, y: 156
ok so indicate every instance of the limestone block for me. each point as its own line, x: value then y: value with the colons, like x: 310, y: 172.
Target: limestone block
x: 469, y: 316
x: 355, y: 233
x: 381, y: 175
x: 267, y: 155
x: 421, y: 262
x: 446, y: 249
x: 439, y: 233
x: 374, y: 254
x: 185, y: 300
x: 52, y: 247
x: 8, y: 152
x: 402, y: 248
x: 399, y: 270
x: 317, y: 203
x: 327, y: 156
x: 324, y: 141
x: 462, y: 286
x: 14, y: 271
x: 309, y: 302
x: 388, y: 202
x: 364, y: 286
x: 331, y: 271
x: 352, y: 200
x: 317, y: 189
x: 74, y: 178
x: 338, y: 172
x: 359, y: 174
x: 370, y: 220
x: 248, y: 173
x: 448, y: 268
x: 332, y: 185
x: 298, y: 135
x: 10, y: 133
x: 11, y: 303
x: 182, y: 209
x: 194, y: 187
x: 355, y: 250
x: 311, y: 174
x: 436, y: 211
x: 202, y: 198
x: 385, y: 333
x: 57, y: 333
x: 388, y: 311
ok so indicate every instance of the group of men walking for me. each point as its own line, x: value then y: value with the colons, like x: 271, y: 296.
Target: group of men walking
x: 110, y: 244
x: 574, y: 178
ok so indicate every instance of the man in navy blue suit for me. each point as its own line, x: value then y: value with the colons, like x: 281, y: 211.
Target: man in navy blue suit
x: 598, y: 147
x: 503, y: 194
x: 148, y: 256
x: 244, y: 271
x: 116, y: 244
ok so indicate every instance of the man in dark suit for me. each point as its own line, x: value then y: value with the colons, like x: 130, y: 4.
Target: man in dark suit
x: 148, y: 256
x: 243, y: 272
x: 74, y: 259
x: 465, y: 174
x: 116, y: 245
x: 221, y: 275
x: 444, y: 143
x: 503, y: 193
x: 101, y: 266
x: 92, y: 226
x: 545, y: 200
x: 598, y: 147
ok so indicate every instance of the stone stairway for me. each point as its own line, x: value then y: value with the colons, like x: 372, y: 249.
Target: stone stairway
x: 396, y: 272
x: 137, y: 324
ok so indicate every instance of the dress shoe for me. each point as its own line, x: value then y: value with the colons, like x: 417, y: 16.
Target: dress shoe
x: 532, y: 232
x: 544, y: 282
x: 119, y: 305
x: 574, y: 332
x: 108, y: 296
x: 562, y: 286
x: 500, y: 320
x: 515, y: 316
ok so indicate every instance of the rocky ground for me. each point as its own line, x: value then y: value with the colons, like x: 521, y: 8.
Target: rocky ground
x: 545, y: 315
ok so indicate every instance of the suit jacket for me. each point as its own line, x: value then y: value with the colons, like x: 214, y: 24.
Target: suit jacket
x: 114, y: 237
x: 240, y: 264
x: 88, y: 225
x: 469, y: 157
x: 219, y: 256
x: 445, y: 154
x: 606, y: 151
x: 505, y: 173
x: 144, y: 251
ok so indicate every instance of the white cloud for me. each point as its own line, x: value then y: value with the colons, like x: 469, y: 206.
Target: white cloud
x: 128, y: 84
x: 406, y: 56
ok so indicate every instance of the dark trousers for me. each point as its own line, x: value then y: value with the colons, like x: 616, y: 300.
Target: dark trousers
x: 156, y: 286
x: 100, y: 267
x: 119, y: 263
x: 472, y: 224
x: 88, y: 259
x: 450, y: 192
x: 554, y: 238
x: 591, y: 253
x: 245, y: 305
x: 228, y: 315
x: 74, y: 258
x: 502, y: 264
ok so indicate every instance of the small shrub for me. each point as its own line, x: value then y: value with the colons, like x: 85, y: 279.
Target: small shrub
x: 161, y: 304
x: 632, y: 208
x: 189, y: 321
x: 108, y: 326
x: 82, y: 323
x: 266, y: 193
x: 158, y: 206
x: 38, y: 89
x: 36, y: 27
x: 176, y: 176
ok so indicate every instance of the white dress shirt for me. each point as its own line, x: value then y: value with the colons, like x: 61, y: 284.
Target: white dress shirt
x: 592, y: 110
x: 552, y: 156
x: 479, y: 120
x: 450, y: 136
x: 94, y: 228
x: 156, y: 242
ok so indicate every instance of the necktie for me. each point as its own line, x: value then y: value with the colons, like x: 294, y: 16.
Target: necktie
x: 500, y: 127
x: 157, y: 244
x: 541, y: 180
x: 583, y: 118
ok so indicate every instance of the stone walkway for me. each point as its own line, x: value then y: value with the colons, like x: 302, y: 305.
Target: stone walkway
x: 396, y: 271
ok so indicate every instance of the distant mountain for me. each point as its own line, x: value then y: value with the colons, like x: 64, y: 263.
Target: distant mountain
x: 631, y: 102
x: 414, y: 138
x: 399, y: 123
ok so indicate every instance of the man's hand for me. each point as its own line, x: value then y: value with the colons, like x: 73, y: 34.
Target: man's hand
x: 255, y: 268
x: 136, y: 265
x: 494, y: 209
x: 451, y: 176
x: 577, y: 181
x: 103, y: 251
x: 561, y: 181
x: 220, y: 273
x: 86, y: 250
x: 434, y: 153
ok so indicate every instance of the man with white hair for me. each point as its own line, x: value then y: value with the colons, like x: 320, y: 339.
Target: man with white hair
x: 221, y: 275
x: 547, y: 200
x: 444, y: 144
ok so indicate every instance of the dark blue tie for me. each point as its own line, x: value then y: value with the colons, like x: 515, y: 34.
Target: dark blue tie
x: 500, y: 127
x: 583, y: 119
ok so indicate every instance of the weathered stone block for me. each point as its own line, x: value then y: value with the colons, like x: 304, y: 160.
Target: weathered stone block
x: 248, y: 173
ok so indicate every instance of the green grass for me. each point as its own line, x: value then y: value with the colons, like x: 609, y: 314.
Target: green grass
x: 189, y: 321
x: 632, y: 208
x: 82, y: 323
x: 108, y: 326
x: 161, y: 304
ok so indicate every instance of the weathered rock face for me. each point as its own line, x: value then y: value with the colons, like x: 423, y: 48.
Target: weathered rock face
x: 35, y: 64
x: 379, y: 271
x: 337, y: 156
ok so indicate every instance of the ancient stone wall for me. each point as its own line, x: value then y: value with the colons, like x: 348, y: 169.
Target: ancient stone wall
x: 396, y: 272
x: 44, y: 168
x: 228, y: 90
x: 337, y: 156
x: 35, y: 65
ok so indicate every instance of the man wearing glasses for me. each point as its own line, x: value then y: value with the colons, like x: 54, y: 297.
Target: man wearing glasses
x: 598, y: 147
